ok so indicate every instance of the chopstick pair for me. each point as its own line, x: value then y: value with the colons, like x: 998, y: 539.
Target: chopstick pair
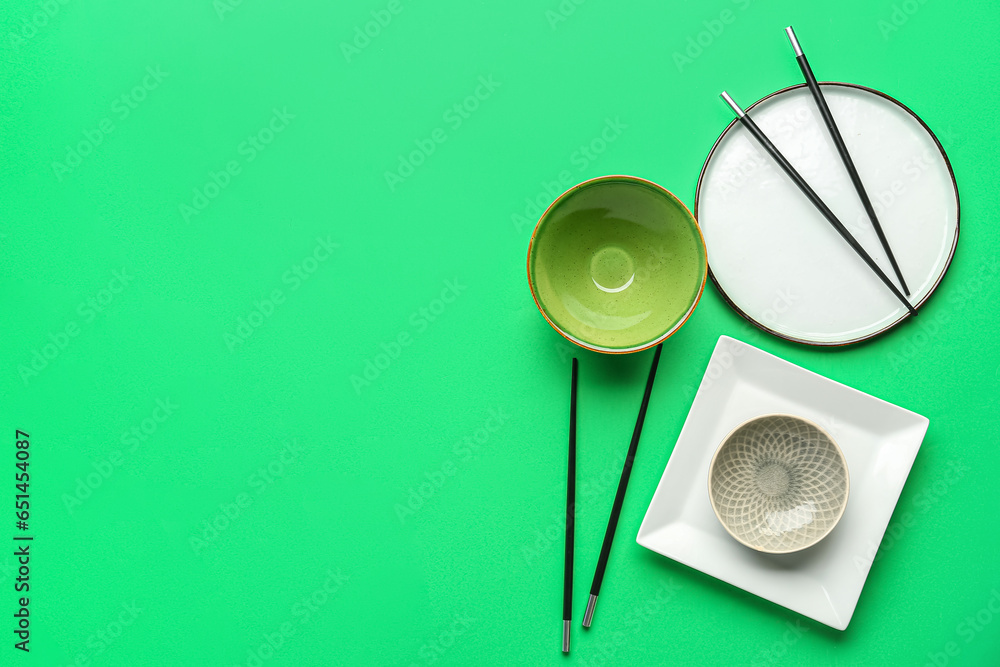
x: 616, y: 508
x: 845, y: 156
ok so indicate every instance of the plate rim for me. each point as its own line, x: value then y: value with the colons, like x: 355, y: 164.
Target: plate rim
x: 905, y: 315
x: 643, y: 540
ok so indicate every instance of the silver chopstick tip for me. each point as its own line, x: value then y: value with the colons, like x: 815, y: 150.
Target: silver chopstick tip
x: 588, y: 616
x: 794, y: 41
x: 733, y: 105
x: 566, y: 636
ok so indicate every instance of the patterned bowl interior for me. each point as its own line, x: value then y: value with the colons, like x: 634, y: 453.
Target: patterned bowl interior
x: 778, y: 484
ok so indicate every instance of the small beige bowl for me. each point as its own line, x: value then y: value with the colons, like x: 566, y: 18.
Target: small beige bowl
x: 778, y: 483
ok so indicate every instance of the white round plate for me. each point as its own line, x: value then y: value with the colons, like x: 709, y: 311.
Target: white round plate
x: 779, y: 262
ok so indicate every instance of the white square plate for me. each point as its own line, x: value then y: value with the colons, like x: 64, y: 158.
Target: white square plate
x: 879, y: 440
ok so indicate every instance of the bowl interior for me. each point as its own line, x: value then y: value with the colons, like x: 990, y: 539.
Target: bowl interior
x: 617, y: 264
x: 779, y: 483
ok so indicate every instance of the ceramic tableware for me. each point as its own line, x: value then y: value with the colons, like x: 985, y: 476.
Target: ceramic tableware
x: 778, y: 483
x: 773, y: 256
x: 879, y: 441
x: 616, y: 264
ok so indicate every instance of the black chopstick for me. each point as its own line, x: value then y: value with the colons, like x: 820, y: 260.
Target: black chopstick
x: 616, y: 509
x: 570, y: 513
x: 845, y: 156
x: 786, y: 166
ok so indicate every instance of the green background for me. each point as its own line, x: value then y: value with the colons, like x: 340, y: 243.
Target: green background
x: 303, y: 470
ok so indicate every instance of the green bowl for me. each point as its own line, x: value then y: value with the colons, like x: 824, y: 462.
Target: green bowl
x: 616, y: 264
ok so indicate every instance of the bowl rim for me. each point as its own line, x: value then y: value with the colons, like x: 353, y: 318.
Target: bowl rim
x: 836, y: 447
x: 659, y: 339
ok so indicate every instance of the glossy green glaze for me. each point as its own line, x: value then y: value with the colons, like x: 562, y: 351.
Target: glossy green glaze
x: 617, y: 264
